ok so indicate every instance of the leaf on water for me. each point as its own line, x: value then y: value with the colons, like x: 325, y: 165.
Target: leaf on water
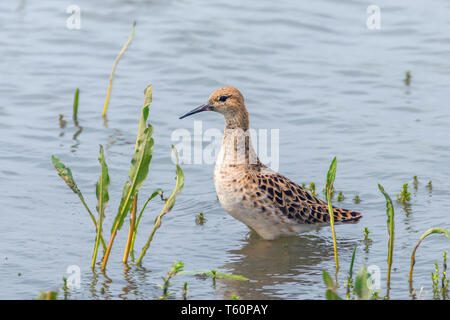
x: 213, y: 274
x: 137, y: 174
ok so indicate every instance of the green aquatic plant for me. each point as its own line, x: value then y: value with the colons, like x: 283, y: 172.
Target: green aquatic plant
x: 361, y: 287
x: 66, y: 174
x: 356, y: 200
x: 340, y: 197
x: 329, y: 187
x: 367, y: 240
x: 62, y: 123
x: 101, y: 191
x: 443, y: 231
x: 350, y: 275
x: 312, y: 188
x: 148, y: 97
x: 169, y: 203
x: 435, y: 280
x: 404, y: 195
x: 176, y: 268
x: 185, y: 289
x: 430, y: 185
x: 214, y: 274
x: 362, y: 290
x: 49, y: 295
x: 200, y: 219
x: 116, y: 62
x: 440, y: 293
x: 235, y: 297
x: 331, y: 291
x: 408, y: 77
x: 415, y: 182
x: 75, y: 105
x: 391, y: 229
x: 153, y: 195
x: 137, y: 174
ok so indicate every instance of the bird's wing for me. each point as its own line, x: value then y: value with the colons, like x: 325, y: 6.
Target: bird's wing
x: 296, y: 203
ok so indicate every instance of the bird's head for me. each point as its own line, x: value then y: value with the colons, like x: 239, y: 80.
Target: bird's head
x: 228, y: 101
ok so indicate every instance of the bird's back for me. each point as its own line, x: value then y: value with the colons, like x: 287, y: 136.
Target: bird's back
x: 271, y: 203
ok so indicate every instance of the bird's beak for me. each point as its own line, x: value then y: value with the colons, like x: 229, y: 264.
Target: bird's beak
x: 204, y: 107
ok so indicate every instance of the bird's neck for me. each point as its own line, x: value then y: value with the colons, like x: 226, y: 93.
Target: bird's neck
x: 237, y: 120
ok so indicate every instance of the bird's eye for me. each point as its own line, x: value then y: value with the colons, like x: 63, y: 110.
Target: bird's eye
x: 223, y: 98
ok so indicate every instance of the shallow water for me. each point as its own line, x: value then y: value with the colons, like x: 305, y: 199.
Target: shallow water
x: 312, y: 70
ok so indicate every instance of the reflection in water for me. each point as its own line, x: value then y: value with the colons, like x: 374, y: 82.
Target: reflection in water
x: 131, y: 284
x: 75, y: 136
x: 271, y: 263
x: 105, y: 289
x: 62, y: 124
x: 93, y: 284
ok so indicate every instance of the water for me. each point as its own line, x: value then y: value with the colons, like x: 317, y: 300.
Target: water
x: 312, y: 70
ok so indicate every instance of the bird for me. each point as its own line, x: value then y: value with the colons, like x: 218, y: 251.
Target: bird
x: 266, y: 201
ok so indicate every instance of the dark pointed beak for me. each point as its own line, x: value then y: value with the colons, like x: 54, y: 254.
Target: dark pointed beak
x: 205, y: 107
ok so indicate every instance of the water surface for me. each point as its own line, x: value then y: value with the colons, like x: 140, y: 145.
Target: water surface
x: 311, y: 69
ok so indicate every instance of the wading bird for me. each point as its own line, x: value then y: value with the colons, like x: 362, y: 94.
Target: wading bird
x: 264, y: 200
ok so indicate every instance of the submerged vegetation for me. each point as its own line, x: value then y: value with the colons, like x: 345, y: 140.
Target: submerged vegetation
x: 200, y: 219
x: 404, y: 195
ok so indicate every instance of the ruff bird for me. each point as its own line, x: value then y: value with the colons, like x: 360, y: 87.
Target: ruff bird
x: 263, y: 199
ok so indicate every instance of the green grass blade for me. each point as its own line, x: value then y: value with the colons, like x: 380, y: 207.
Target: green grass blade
x: 102, y: 194
x: 391, y: 228
x: 329, y: 188
x: 116, y: 62
x: 350, y: 274
x: 75, y: 105
x: 170, y: 202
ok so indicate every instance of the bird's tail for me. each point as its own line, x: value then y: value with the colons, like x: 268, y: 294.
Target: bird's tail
x: 346, y: 216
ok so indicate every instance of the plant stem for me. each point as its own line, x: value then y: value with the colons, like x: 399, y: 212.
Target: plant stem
x: 75, y: 105
x: 116, y: 62
x: 110, y: 243
x: 131, y: 230
x: 329, y: 187
x: 93, y: 220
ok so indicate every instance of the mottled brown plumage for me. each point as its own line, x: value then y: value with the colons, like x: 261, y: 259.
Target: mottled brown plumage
x: 266, y: 201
